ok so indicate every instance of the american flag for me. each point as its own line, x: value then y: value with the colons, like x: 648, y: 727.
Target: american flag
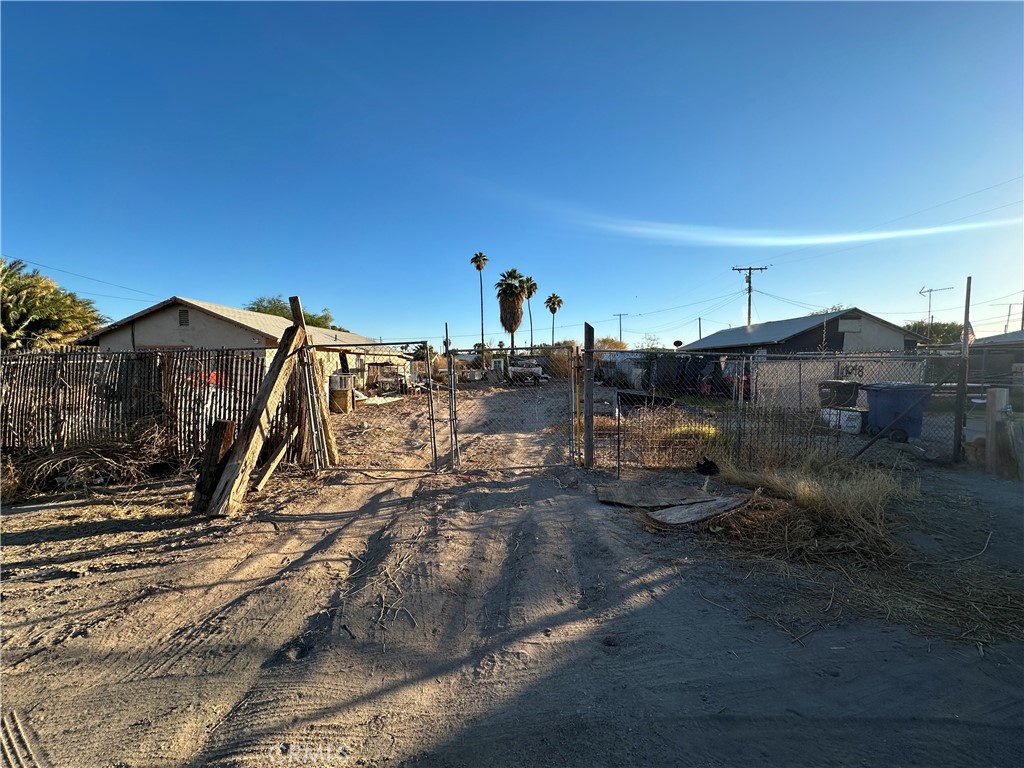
x: 970, y: 334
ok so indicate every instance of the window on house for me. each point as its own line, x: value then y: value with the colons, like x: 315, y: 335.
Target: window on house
x: 183, y: 318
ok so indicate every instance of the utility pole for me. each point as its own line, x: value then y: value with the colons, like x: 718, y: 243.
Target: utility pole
x: 1009, y: 312
x: 930, y: 291
x: 700, y: 333
x: 750, y: 284
x: 620, y: 316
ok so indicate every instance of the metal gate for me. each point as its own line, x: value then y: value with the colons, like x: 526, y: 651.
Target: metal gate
x: 384, y: 402
x: 511, y: 410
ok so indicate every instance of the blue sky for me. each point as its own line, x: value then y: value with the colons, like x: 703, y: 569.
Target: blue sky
x: 627, y: 156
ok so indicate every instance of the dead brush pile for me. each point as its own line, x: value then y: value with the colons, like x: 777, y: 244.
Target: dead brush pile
x: 825, y: 522
x: 148, y: 451
x: 814, y: 509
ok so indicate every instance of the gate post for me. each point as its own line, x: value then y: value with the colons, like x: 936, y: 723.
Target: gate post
x: 961, y: 384
x: 588, y: 395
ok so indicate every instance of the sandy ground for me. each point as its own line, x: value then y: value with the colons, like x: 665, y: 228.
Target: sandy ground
x: 485, y: 618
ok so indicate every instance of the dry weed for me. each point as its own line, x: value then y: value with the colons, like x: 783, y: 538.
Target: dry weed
x: 112, y: 461
x: 830, y: 516
x: 830, y: 498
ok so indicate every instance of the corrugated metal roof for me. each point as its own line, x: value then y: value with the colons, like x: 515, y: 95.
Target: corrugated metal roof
x: 1013, y: 337
x: 763, y: 333
x: 778, y: 331
x: 274, y: 326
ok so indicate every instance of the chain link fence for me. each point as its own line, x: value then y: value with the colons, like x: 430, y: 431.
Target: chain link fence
x: 385, y: 408
x: 666, y: 409
x: 512, y: 409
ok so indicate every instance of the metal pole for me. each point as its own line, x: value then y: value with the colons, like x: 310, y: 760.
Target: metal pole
x: 929, y: 317
x: 620, y: 316
x: 961, y: 387
x: 588, y: 395
x: 430, y: 407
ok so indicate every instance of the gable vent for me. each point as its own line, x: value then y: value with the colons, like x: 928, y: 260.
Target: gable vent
x: 183, y: 318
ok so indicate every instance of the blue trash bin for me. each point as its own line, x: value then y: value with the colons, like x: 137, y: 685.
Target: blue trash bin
x: 887, y: 400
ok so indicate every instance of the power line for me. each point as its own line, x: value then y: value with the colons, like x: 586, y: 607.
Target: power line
x: 684, y: 306
x: 794, y: 302
x: 85, y: 277
x: 108, y: 296
x: 687, y: 320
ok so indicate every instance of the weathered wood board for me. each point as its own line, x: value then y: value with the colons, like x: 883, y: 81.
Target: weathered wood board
x: 694, y: 512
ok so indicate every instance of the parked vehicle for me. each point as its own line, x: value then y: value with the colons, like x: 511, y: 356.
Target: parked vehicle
x: 733, y: 373
x: 524, y: 370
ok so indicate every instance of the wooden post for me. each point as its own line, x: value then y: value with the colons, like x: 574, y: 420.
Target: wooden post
x: 260, y: 481
x: 961, y: 384
x: 219, y: 438
x: 588, y: 395
x: 320, y: 382
x: 256, y: 429
x: 997, y: 400
x: 317, y: 439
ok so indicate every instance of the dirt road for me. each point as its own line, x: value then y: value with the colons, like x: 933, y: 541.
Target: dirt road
x: 484, y: 619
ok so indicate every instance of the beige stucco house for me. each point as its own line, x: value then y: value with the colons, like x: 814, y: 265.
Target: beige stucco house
x: 181, y: 323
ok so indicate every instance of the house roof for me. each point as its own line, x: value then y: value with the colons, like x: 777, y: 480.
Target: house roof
x: 778, y: 331
x: 1013, y: 338
x: 271, y: 326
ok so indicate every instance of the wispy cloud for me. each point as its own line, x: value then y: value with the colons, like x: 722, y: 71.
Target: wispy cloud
x: 692, y: 234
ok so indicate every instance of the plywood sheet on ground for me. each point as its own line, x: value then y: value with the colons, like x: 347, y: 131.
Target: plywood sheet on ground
x: 633, y: 494
x: 695, y: 511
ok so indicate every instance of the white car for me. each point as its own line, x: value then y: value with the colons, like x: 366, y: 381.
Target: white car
x: 524, y: 370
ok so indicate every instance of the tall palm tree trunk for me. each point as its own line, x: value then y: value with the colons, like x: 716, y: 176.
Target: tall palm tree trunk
x: 552, y: 329
x: 529, y: 308
x: 481, y: 273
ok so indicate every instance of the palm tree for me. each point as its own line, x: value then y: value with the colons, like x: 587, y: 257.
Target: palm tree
x: 36, y: 313
x: 479, y: 261
x: 510, y: 302
x: 529, y: 291
x: 553, y: 303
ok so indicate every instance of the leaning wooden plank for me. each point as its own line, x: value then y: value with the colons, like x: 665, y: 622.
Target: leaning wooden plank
x: 264, y: 473
x: 256, y: 428
x: 219, y: 438
x: 694, y: 513
x: 320, y: 383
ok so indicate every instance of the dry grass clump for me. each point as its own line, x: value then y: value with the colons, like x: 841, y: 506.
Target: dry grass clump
x: 983, y: 604
x: 113, y: 461
x: 667, y: 437
x: 825, y: 504
x: 830, y: 516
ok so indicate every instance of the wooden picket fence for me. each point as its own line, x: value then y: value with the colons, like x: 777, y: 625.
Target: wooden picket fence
x: 57, y: 400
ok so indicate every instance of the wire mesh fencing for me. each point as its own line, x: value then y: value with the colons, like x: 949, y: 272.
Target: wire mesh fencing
x: 56, y: 400
x: 382, y: 416
x: 513, y: 408
x: 386, y: 414
x: 666, y: 409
